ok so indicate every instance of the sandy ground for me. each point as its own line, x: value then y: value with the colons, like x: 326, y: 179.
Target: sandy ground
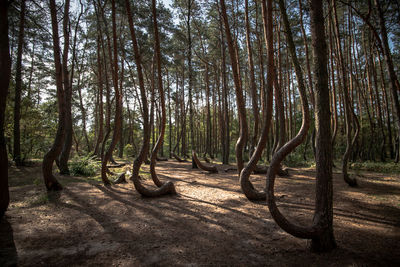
x: 209, y: 222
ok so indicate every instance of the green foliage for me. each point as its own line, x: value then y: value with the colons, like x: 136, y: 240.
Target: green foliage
x: 382, y: 167
x: 129, y: 150
x: 296, y: 159
x: 83, y: 166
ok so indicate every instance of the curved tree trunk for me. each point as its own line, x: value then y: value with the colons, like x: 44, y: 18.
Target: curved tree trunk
x: 253, y: 90
x: 321, y: 232
x: 66, y: 149
x: 347, y: 106
x: 5, y: 68
x: 167, y: 187
x: 158, y: 144
x: 118, y: 102
x: 212, y: 168
x: 245, y: 184
x: 18, y: 85
x: 47, y: 166
x: 243, y: 134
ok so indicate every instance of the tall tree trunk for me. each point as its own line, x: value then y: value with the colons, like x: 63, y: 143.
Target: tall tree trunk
x: 157, y: 146
x: 245, y: 184
x: 253, y: 90
x: 394, y: 83
x: 321, y: 232
x: 100, y: 135
x: 348, y: 107
x: 47, y: 166
x: 18, y: 84
x: 243, y: 134
x: 224, y: 121
x: 118, y: 100
x: 64, y: 156
x: 5, y: 68
x: 166, y: 187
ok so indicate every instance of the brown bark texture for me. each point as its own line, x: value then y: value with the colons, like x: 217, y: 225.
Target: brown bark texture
x: 5, y: 68
x: 50, y: 181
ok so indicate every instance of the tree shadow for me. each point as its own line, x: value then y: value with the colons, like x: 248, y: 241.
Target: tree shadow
x: 8, y: 251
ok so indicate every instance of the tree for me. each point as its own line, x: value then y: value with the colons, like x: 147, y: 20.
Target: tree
x: 245, y: 184
x: 243, y: 134
x: 66, y: 149
x: 50, y: 181
x: 18, y: 85
x: 118, y: 100
x: 168, y: 187
x: 5, y: 68
x: 158, y: 144
x: 321, y: 231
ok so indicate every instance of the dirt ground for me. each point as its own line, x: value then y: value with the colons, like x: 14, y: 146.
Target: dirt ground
x: 209, y: 222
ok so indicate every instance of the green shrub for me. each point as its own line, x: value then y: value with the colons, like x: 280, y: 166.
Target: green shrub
x: 382, y: 167
x: 129, y: 151
x: 83, y: 166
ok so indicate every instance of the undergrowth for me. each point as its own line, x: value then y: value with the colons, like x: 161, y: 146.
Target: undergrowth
x: 84, y: 166
x: 382, y: 167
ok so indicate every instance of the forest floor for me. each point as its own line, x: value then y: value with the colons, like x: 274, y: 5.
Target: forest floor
x: 209, y: 221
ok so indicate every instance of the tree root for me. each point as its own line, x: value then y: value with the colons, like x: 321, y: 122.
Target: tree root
x: 178, y: 158
x: 209, y: 168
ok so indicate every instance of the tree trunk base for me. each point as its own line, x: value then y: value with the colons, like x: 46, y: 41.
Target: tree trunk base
x: 324, y: 243
x: 178, y: 158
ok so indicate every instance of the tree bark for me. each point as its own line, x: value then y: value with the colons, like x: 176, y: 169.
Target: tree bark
x: 348, y: 107
x: 245, y: 184
x: 5, y: 68
x: 158, y: 144
x: 394, y: 83
x: 321, y: 232
x: 253, y: 90
x: 50, y: 181
x: 64, y: 156
x: 243, y: 134
x: 167, y: 187
x: 118, y: 101
x: 18, y: 85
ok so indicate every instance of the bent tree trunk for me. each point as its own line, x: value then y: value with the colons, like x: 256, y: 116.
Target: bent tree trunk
x: 66, y: 149
x: 167, y: 187
x: 348, y: 107
x: 246, y: 185
x: 253, y: 91
x: 47, y: 166
x: 160, y: 140
x: 241, y: 142
x: 5, y: 68
x: 118, y: 103
x: 211, y: 168
x: 321, y: 232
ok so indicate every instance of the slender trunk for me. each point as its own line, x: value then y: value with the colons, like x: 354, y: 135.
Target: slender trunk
x: 5, y: 68
x: 118, y: 100
x: 253, y: 90
x: 64, y: 156
x: 348, y: 107
x: 47, y: 166
x: 243, y: 134
x: 100, y: 135
x: 245, y: 184
x: 321, y: 232
x: 18, y: 84
x: 168, y: 187
x: 394, y: 83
